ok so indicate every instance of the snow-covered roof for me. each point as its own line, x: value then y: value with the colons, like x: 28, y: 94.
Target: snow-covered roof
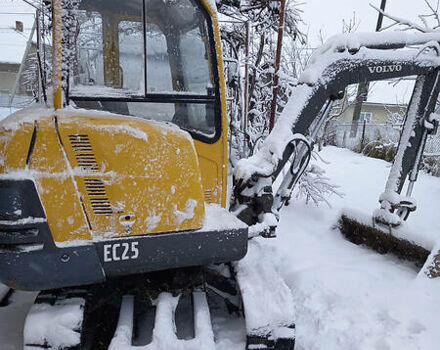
x: 13, y: 42
x: 391, y: 93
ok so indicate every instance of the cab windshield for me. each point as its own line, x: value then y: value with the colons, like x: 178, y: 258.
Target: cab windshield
x: 147, y: 58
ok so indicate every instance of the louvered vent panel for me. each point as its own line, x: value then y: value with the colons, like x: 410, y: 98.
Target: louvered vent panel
x: 208, y: 196
x: 98, y: 197
x: 83, y: 152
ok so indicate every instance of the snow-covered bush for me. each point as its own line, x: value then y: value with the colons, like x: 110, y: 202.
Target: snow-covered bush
x: 380, y: 149
x: 314, y: 186
x: 431, y: 165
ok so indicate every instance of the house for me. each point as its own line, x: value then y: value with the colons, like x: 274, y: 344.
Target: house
x: 17, y: 19
x: 377, y: 113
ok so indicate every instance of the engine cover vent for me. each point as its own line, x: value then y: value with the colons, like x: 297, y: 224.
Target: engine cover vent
x: 208, y: 196
x: 83, y: 152
x: 98, y: 197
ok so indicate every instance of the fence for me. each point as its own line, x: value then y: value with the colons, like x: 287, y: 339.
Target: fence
x: 18, y: 103
x: 338, y: 134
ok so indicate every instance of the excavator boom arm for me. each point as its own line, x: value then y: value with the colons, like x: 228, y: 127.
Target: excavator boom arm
x: 343, y: 61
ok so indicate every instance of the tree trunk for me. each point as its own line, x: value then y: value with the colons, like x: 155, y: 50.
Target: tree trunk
x: 360, y: 98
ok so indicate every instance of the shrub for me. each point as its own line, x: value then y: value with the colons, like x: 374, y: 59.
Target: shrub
x: 380, y: 150
x: 431, y: 165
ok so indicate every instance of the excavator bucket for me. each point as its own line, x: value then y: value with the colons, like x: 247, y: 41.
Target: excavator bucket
x: 396, y: 242
x: 376, y: 238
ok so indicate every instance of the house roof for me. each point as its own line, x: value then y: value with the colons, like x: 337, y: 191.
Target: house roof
x: 13, y: 42
x: 390, y: 93
x: 384, y: 104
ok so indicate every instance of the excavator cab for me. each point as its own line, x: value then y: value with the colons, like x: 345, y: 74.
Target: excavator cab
x: 153, y: 60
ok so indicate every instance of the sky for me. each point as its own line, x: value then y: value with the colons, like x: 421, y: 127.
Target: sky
x: 318, y: 15
x: 327, y: 16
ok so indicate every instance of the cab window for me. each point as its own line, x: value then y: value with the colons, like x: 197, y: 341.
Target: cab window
x: 147, y: 58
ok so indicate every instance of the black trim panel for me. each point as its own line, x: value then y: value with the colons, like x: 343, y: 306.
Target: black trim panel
x: 158, y: 98
x: 75, y: 266
x: 174, y: 250
x: 43, y: 270
x: 19, y: 200
x: 29, y: 259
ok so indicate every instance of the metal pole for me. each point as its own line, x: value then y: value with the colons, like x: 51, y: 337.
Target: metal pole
x: 246, y: 85
x: 39, y: 68
x: 380, y: 18
x: 57, y: 56
x: 277, y: 65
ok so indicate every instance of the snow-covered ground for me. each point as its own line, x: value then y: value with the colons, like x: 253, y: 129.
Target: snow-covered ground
x: 346, y: 297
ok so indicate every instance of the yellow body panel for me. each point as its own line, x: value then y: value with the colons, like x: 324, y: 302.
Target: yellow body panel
x: 144, y: 177
x: 211, y: 166
x: 102, y: 176
x: 56, y: 187
x: 213, y: 158
x: 135, y: 177
x: 14, y: 147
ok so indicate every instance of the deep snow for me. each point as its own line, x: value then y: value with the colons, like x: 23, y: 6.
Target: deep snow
x: 348, y: 297
x: 345, y: 297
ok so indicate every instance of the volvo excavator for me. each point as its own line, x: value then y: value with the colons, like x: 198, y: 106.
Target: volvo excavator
x: 113, y: 196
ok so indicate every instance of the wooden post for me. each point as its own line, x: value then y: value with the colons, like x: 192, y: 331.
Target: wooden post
x: 360, y: 97
x: 363, y: 136
x: 276, y: 78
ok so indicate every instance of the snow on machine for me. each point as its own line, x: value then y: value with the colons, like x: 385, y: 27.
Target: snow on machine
x: 113, y: 198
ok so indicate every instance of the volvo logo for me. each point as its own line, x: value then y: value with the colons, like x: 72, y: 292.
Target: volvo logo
x: 385, y: 69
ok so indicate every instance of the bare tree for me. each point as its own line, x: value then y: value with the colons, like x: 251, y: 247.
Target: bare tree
x: 254, y: 49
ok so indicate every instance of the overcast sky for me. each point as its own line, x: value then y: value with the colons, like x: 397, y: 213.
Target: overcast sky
x: 327, y: 16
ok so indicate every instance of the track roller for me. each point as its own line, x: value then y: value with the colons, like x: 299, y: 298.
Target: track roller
x: 73, y: 319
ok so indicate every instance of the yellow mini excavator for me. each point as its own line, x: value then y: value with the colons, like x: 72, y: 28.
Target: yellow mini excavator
x: 113, y: 197
x: 113, y: 194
